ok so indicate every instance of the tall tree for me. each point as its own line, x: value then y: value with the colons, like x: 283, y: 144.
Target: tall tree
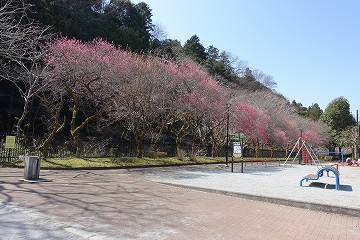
x: 168, y: 49
x: 299, y: 108
x: 314, y: 112
x: 87, y: 74
x: 337, y: 114
x: 195, y: 50
x: 129, y: 25
x: 265, y: 79
x: 338, y: 117
x: 22, y: 46
x: 196, y: 95
x: 143, y: 101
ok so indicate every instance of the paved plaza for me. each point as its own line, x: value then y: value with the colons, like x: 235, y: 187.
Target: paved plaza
x: 189, y: 202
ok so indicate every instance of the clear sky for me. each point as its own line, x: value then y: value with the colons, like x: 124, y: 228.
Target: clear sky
x: 310, y: 47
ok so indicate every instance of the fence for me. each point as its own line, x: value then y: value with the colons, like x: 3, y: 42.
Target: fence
x: 61, y: 148
x: 8, y: 155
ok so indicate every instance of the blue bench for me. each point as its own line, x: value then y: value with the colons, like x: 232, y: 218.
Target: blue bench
x: 320, y: 173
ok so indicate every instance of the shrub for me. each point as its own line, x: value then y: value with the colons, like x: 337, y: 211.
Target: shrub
x: 154, y: 154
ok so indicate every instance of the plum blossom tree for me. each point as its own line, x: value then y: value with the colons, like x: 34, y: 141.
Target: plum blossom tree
x: 250, y: 121
x: 284, y: 124
x: 87, y: 72
x: 52, y: 118
x: 214, y: 126
x: 197, y: 96
x: 143, y: 101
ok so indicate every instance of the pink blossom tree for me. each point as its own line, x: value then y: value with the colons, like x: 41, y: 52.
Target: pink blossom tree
x: 198, y: 96
x: 143, y: 101
x: 283, y: 123
x: 250, y: 121
x: 87, y: 73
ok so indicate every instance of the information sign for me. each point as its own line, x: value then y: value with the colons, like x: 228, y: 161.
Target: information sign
x: 10, y: 142
x: 237, y: 149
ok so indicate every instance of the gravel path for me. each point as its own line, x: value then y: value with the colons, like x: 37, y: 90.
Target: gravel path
x: 272, y: 181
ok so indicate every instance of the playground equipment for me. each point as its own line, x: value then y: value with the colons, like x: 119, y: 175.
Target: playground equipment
x: 342, y: 156
x: 320, y: 173
x: 307, y: 153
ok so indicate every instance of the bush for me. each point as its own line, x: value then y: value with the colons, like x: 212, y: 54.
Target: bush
x: 154, y: 154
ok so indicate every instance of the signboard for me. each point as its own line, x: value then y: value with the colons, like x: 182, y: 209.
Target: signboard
x: 237, y: 149
x: 10, y: 142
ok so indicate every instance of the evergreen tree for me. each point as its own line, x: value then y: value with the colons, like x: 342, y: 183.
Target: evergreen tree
x: 314, y: 112
x: 195, y: 50
x: 299, y: 108
x: 337, y: 115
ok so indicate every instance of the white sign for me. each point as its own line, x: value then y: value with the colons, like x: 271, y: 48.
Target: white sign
x: 237, y: 149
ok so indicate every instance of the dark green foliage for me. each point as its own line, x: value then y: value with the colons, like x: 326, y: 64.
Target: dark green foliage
x: 129, y: 25
x: 195, y: 50
x: 337, y: 115
x: 299, y: 108
x: 216, y: 63
x: 120, y: 22
x: 314, y: 112
x: 169, y: 49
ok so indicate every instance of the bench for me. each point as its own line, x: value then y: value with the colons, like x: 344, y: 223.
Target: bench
x: 320, y: 173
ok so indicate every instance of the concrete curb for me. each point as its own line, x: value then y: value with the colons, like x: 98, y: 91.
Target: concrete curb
x: 353, y: 212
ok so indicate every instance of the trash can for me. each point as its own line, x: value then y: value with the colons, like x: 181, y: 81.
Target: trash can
x: 31, y: 167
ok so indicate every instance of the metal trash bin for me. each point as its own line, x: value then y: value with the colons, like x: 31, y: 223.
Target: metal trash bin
x: 31, y: 167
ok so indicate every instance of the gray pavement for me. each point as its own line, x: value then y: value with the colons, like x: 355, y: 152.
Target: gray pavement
x: 271, y: 182
x: 149, y: 204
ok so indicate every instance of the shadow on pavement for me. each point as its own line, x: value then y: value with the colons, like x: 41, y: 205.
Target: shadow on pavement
x: 346, y: 188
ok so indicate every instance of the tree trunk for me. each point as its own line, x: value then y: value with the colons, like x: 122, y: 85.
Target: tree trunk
x: 45, y: 148
x: 22, y: 117
x: 75, y: 130
x: 139, y: 143
x: 214, y: 150
x: 79, y: 146
x: 192, y: 155
x: 46, y: 144
x: 179, y: 152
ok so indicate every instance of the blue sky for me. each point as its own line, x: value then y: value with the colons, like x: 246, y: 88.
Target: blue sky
x: 310, y: 47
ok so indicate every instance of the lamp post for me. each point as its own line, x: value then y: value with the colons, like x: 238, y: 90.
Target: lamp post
x: 227, y: 133
x: 300, y: 155
x: 358, y: 135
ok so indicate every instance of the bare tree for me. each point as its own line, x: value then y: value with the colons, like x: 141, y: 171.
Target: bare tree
x: 159, y: 31
x: 265, y: 79
x: 22, y: 47
x: 53, y: 102
x: 142, y: 103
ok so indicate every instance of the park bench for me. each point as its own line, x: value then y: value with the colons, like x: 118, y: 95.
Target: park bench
x: 320, y: 173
